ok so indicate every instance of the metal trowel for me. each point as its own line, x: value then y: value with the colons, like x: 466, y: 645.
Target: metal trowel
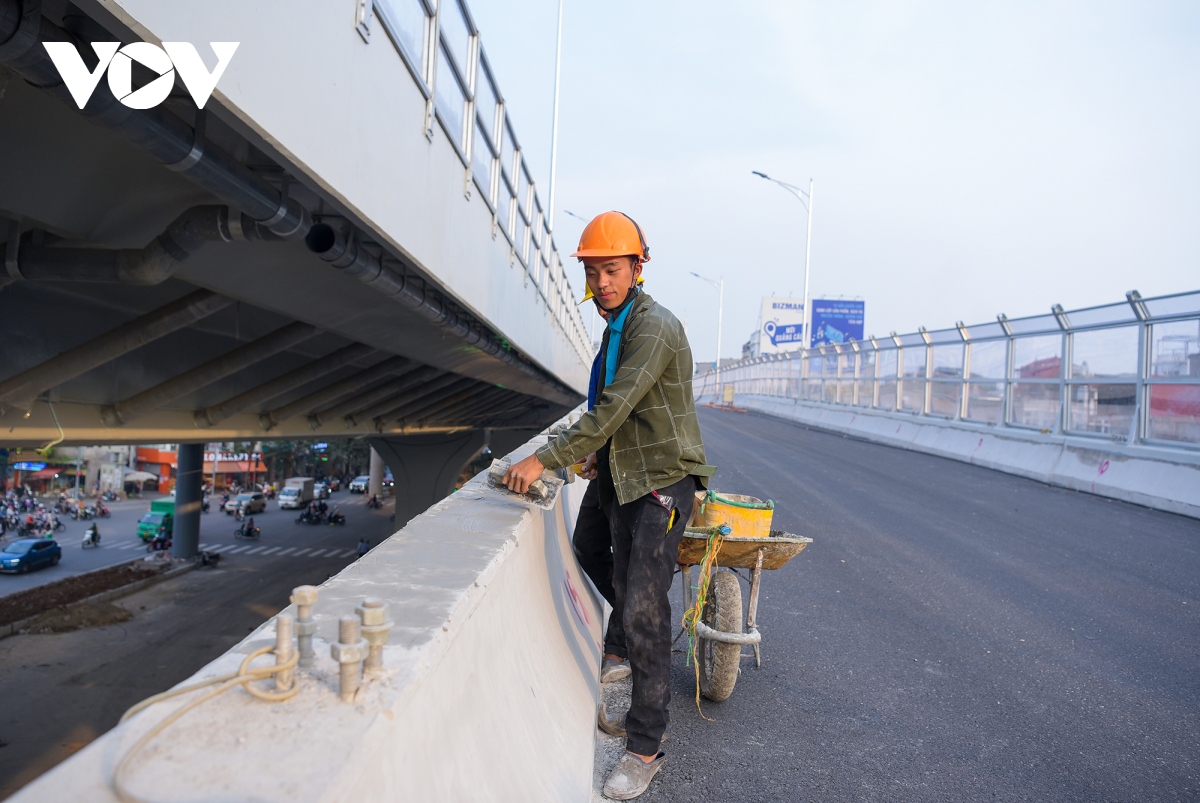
x: 542, y: 492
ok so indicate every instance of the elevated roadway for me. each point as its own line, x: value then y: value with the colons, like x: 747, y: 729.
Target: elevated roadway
x: 319, y: 251
x: 954, y: 633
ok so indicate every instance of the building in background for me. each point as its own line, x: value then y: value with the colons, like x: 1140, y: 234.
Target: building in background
x: 159, y: 459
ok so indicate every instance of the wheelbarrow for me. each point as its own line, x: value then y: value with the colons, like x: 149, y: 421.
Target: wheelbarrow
x: 719, y: 632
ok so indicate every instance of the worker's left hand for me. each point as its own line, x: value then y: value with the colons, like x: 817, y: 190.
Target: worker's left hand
x: 520, y: 475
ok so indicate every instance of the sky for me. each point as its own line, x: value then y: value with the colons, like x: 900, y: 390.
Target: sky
x: 969, y: 159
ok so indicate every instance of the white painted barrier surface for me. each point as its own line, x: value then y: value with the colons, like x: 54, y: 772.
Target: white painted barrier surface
x: 1162, y: 478
x: 490, y: 690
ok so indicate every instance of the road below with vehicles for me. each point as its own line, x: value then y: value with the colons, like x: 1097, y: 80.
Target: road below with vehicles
x: 119, y: 541
x: 952, y: 634
x: 62, y: 690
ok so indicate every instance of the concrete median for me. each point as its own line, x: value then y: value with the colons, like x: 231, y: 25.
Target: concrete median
x: 489, y: 688
x: 1157, y: 477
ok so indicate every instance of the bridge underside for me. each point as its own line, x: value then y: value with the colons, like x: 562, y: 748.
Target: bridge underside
x: 139, y: 304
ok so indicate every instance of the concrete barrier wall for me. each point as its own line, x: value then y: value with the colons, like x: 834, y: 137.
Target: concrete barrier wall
x: 1161, y: 478
x: 490, y: 690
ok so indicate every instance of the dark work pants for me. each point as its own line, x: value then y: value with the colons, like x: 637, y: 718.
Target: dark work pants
x: 644, y: 558
x: 592, y: 544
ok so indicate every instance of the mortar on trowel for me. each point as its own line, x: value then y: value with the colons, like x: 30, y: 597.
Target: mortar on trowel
x: 542, y: 492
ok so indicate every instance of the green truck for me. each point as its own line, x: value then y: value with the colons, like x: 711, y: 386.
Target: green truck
x: 160, y: 519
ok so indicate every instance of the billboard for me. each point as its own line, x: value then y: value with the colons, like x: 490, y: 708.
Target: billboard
x: 782, y: 326
x: 836, y: 321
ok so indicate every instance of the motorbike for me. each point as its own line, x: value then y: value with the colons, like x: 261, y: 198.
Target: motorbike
x: 252, y: 534
x: 240, y: 513
x: 161, y: 543
x: 210, y: 559
x: 59, y: 526
x: 102, y: 511
x: 91, y: 537
x: 109, y: 496
x: 310, y: 518
x: 338, y: 518
x: 204, y: 505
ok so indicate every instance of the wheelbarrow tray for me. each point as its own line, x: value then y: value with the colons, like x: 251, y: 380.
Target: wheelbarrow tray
x: 742, y: 552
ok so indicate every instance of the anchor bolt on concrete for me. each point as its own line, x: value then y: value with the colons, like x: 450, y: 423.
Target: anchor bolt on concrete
x: 304, y: 597
x: 349, y: 651
x: 284, y: 629
x: 376, y: 627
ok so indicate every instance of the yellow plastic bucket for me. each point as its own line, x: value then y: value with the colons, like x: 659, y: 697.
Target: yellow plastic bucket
x: 746, y: 516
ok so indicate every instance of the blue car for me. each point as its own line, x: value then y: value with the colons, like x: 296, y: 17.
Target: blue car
x: 29, y: 553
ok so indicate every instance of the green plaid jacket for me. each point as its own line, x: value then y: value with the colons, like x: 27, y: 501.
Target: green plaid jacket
x: 648, y: 410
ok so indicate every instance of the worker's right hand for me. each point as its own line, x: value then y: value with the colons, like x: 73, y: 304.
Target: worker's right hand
x: 589, y: 471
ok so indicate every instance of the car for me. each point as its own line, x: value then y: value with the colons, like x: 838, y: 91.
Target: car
x: 24, y: 554
x: 249, y: 503
x: 321, y: 490
x: 358, y: 485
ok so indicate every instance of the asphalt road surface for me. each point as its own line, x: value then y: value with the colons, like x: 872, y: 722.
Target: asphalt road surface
x: 119, y: 541
x: 61, y: 691
x: 952, y: 634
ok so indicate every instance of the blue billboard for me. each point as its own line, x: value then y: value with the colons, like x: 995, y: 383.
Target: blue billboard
x: 836, y: 321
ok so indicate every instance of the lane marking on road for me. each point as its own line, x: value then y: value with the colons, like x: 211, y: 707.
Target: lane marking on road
x: 302, y: 552
x: 289, y: 549
x: 236, y: 549
x: 273, y: 549
x: 256, y: 550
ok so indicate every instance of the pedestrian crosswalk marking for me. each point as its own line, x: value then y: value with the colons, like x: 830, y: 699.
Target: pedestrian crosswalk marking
x: 250, y: 549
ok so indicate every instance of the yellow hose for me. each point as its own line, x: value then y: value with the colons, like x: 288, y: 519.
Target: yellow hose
x: 243, y: 677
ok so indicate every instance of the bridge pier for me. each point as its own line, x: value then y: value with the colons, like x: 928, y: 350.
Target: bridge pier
x: 425, y: 467
x: 185, y: 543
x: 375, y: 475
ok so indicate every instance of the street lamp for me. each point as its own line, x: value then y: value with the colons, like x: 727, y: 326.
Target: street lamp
x: 720, y: 286
x: 554, y: 130
x: 801, y: 195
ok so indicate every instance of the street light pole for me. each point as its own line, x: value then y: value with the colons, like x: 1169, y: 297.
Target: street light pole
x: 801, y: 195
x: 720, y: 285
x: 554, y: 130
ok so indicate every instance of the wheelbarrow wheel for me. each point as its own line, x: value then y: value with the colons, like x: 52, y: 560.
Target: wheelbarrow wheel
x: 719, y: 662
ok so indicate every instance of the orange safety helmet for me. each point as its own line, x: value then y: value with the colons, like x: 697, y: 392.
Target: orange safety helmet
x: 613, y: 234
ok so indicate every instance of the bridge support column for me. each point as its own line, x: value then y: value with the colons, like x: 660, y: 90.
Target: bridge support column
x: 185, y: 543
x: 375, y: 475
x: 425, y: 467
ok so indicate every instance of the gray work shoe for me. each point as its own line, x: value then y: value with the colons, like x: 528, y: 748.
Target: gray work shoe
x: 631, y: 776
x: 616, y: 727
x: 614, y: 670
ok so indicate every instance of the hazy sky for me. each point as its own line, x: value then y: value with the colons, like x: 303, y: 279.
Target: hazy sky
x: 969, y: 158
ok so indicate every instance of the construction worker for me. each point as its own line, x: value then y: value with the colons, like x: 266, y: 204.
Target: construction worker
x: 643, y: 440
